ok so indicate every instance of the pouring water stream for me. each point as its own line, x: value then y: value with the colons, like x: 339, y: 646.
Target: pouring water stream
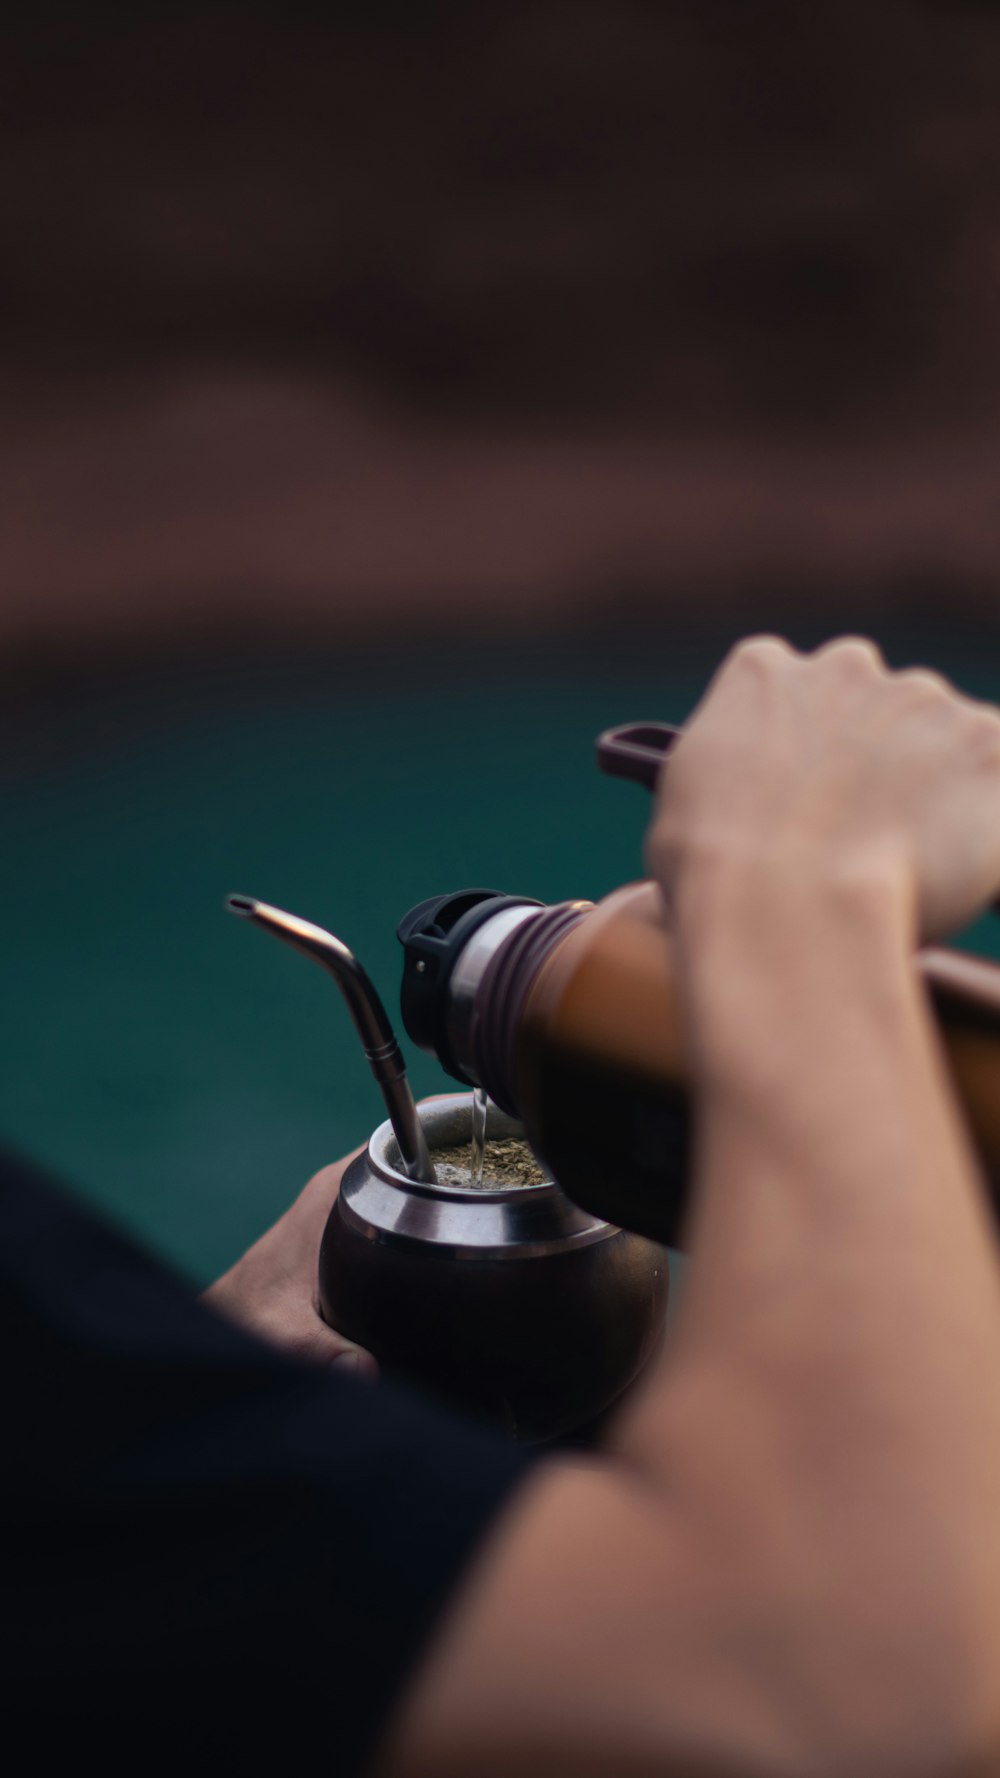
x: 480, y: 1101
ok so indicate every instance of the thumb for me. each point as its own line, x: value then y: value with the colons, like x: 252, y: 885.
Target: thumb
x: 351, y: 1360
x: 312, y: 1338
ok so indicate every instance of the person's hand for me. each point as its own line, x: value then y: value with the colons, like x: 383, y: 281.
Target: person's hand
x: 830, y: 768
x: 272, y: 1290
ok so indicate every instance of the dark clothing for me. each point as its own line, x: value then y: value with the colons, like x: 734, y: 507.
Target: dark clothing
x: 209, y: 1554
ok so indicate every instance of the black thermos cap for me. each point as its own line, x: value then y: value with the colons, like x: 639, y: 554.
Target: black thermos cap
x: 433, y: 935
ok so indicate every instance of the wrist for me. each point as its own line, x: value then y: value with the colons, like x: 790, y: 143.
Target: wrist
x: 869, y: 898
x: 779, y: 943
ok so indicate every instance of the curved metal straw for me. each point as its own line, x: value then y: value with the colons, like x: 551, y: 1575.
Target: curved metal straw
x: 378, y: 1039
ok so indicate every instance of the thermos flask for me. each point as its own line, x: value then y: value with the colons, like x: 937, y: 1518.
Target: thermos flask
x: 568, y: 1017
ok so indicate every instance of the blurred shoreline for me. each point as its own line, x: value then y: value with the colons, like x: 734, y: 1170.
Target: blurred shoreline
x: 156, y: 514
x: 494, y: 321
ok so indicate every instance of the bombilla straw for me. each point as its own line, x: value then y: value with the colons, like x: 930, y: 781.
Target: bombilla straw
x: 378, y: 1039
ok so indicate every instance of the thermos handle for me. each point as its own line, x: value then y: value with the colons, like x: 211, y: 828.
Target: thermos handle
x: 636, y: 750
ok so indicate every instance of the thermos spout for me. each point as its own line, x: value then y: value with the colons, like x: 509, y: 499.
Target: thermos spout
x: 378, y: 1039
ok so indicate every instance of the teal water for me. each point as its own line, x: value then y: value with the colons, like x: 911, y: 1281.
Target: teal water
x: 187, y: 1073
x: 180, y: 1069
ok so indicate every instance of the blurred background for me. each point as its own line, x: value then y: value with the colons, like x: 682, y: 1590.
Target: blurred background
x: 389, y: 403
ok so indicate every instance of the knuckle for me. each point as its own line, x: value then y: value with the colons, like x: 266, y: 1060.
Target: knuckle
x: 985, y: 734
x: 659, y: 837
x: 306, y: 1343
x: 661, y: 844
x: 858, y: 655
x: 762, y: 651
x: 920, y: 685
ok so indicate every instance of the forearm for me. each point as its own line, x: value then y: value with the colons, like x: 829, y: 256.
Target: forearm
x: 825, y: 1415
x: 843, y: 1280
x: 835, y: 1180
